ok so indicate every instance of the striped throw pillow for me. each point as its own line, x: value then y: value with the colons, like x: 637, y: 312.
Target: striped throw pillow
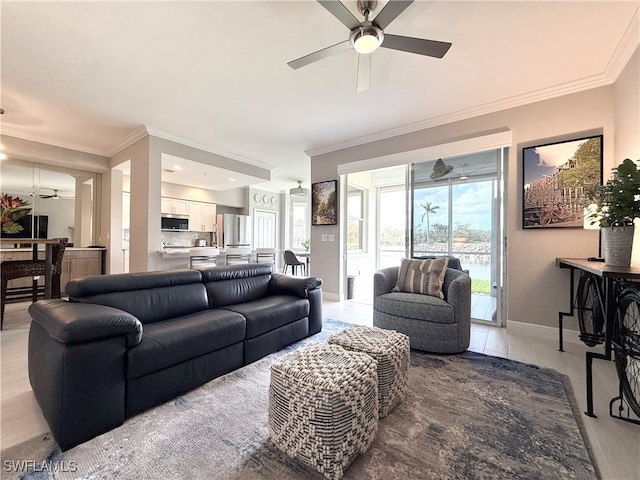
x: 422, y: 276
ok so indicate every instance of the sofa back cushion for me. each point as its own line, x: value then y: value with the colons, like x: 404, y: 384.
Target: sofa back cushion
x: 235, y: 284
x: 149, y: 296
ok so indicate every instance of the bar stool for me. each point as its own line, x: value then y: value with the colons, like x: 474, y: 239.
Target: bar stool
x: 266, y: 255
x: 12, y: 269
x: 237, y: 255
x: 203, y: 257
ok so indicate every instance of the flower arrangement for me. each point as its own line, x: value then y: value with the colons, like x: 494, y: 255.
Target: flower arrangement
x: 13, y: 209
x: 306, y: 244
x: 618, y: 201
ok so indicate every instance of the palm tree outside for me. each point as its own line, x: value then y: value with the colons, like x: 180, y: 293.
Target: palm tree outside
x: 428, y: 208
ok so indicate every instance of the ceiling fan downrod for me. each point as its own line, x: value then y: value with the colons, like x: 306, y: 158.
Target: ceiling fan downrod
x: 366, y: 7
x: 367, y: 37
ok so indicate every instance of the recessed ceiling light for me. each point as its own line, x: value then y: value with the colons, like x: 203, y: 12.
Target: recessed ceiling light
x: 177, y: 168
x: 231, y: 179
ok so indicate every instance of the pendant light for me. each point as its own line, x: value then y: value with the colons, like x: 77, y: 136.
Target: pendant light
x: 299, y: 191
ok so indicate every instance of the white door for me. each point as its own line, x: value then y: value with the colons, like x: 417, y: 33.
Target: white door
x: 265, y: 228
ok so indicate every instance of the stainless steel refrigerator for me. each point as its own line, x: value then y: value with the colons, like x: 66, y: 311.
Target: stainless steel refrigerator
x: 234, y: 230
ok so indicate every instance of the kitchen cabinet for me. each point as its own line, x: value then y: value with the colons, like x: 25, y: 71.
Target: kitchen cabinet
x: 202, y: 216
x: 174, y: 206
x: 78, y: 263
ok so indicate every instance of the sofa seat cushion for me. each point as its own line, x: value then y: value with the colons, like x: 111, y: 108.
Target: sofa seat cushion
x: 271, y: 312
x: 415, y: 306
x: 170, y: 342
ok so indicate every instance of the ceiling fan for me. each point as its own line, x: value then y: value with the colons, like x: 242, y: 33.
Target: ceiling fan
x: 55, y: 195
x: 367, y: 36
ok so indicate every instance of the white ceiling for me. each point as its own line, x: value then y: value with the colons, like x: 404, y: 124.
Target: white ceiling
x: 85, y: 75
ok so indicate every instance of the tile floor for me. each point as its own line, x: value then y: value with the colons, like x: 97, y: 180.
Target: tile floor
x: 616, y: 444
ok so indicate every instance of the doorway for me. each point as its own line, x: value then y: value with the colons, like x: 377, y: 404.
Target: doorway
x: 410, y: 211
x: 457, y: 212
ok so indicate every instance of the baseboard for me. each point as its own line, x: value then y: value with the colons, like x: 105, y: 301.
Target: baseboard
x: 331, y: 297
x: 542, y: 331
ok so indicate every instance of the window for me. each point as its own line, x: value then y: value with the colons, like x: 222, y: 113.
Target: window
x: 355, y: 219
x: 299, y: 222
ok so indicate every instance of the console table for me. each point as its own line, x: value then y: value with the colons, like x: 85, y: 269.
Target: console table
x: 610, y: 276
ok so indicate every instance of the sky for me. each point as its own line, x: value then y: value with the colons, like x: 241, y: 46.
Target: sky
x: 541, y: 161
x: 472, y: 203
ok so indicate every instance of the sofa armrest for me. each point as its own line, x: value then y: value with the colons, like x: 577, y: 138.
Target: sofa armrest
x: 297, y: 286
x: 69, y: 322
x: 458, y: 293
x: 384, y: 280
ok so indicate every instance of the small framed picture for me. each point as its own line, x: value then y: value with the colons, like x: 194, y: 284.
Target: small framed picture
x: 556, y: 179
x: 324, y: 203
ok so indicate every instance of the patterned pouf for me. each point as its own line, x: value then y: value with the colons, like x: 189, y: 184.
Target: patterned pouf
x: 323, y: 406
x: 391, y: 351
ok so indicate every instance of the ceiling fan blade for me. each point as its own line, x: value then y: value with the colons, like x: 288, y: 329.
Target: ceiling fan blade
x: 319, y: 55
x: 390, y: 12
x: 364, y: 73
x: 342, y: 13
x: 421, y: 46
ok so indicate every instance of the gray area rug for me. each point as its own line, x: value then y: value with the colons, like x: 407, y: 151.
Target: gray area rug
x: 467, y: 416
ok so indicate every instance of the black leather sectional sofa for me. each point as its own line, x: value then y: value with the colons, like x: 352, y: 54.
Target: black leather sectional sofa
x: 126, y: 342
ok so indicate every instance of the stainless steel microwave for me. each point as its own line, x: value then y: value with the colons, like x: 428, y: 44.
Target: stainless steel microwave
x: 174, y: 222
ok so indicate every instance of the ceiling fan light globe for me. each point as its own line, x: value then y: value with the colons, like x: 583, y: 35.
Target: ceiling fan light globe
x: 366, y: 39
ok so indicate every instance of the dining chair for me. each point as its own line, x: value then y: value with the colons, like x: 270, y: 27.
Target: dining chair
x: 12, y: 269
x: 291, y: 259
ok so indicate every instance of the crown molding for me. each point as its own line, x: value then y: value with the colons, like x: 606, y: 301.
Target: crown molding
x: 621, y: 55
x: 138, y: 134
x: 17, y: 134
x: 189, y: 143
x: 626, y: 48
x: 476, y: 111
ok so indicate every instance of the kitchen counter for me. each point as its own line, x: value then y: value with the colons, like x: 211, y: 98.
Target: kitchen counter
x: 175, y: 251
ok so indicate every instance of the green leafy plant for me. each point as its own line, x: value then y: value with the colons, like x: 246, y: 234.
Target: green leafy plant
x: 617, y: 201
x: 13, y: 209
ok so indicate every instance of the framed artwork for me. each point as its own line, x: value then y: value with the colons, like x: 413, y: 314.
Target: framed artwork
x: 556, y: 179
x: 324, y: 203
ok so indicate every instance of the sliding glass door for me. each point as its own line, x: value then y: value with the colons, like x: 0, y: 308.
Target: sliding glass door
x: 449, y: 206
x: 455, y: 212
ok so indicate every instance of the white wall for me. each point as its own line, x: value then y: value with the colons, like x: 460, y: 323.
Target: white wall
x: 537, y: 289
x: 627, y: 119
x: 235, y: 197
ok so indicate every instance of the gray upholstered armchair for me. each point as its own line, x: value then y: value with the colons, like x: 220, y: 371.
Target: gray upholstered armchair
x: 432, y: 324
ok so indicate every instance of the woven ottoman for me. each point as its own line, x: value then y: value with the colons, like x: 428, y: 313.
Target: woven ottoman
x: 323, y: 406
x: 391, y: 351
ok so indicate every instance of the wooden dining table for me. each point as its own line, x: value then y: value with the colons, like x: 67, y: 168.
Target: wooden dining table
x: 48, y: 257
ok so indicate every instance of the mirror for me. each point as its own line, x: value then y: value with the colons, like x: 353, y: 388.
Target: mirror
x: 60, y: 201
